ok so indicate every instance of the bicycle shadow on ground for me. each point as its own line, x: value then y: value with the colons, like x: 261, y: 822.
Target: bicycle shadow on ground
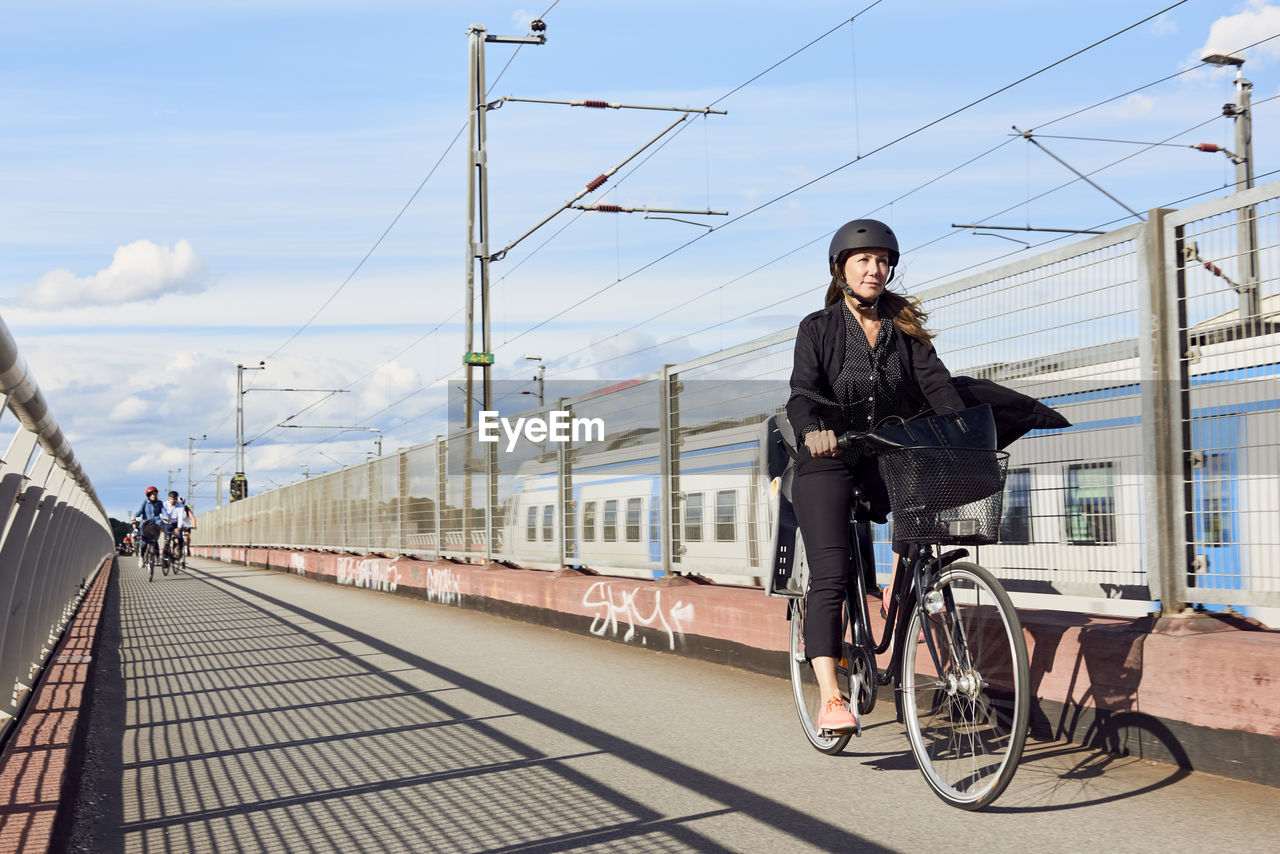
x: 1075, y: 747
x: 1093, y: 726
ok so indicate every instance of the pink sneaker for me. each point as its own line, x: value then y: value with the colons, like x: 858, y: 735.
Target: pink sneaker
x: 836, y: 717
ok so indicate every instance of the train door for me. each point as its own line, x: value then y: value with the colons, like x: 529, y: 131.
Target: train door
x: 1216, y: 501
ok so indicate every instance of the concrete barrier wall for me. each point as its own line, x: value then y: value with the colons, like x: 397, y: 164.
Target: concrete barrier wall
x: 1200, y: 692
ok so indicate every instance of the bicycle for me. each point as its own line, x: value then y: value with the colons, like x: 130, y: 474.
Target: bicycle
x: 965, y: 701
x: 175, y: 553
x: 149, y: 552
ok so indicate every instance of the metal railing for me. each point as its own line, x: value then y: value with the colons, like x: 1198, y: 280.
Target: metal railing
x: 1160, y: 341
x: 55, y: 533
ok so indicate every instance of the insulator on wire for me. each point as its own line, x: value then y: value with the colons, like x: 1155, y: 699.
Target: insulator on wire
x: 1213, y: 268
x: 599, y: 105
x: 1207, y: 146
x: 538, y: 26
x: 597, y: 182
x: 1229, y: 110
x: 609, y: 208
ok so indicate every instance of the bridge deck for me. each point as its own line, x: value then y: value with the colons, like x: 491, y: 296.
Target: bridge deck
x: 238, y: 709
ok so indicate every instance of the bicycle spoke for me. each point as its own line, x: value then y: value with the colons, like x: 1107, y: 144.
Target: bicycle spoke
x: 966, y: 716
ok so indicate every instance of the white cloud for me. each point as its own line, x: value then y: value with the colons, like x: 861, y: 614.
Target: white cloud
x: 1164, y: 25
x: 634, y: 353
x: 1137, y: 105
x: 129, y: 409
x: 389, y: 383
x: 1233, y: 32
x: 141, y: 270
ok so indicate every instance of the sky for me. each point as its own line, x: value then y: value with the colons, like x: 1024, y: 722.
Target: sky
x: 188, y: 187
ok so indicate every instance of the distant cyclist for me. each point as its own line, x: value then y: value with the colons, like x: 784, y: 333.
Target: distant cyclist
x: 176, y: 519
x: 190, y: 524
x: 154, y: 512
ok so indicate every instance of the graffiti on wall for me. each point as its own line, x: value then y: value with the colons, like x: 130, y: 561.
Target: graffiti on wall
x: 373, y: 573
x: 442, y: 586
x: 636, y: 607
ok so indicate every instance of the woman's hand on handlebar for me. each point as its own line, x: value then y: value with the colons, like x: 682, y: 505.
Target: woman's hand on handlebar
x: 821, y: 443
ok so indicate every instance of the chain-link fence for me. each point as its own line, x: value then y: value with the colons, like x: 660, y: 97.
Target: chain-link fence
x: 1158, y: 341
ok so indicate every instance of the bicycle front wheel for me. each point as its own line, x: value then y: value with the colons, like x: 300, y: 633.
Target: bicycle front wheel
x: 966, y: 712
x: 804, y: 687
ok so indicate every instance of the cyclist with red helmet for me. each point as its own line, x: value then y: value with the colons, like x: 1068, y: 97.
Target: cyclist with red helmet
x: 862, y: 358
x: 152, y: 510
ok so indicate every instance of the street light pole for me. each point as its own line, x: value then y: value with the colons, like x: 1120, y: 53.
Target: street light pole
x: 191, y: 441
x: 240, y: 484
x: 541, y: 377
x: 478, y: 198
x: 1246, y: 222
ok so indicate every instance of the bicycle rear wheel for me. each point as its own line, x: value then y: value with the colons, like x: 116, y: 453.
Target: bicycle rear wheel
x: 966, y: 713
x: 804, y: 686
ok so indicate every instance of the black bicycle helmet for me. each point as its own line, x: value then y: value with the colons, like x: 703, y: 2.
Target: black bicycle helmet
x: 862, y: 234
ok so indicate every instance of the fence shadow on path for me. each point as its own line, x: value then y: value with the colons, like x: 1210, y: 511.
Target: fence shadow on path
x: 232, y: 721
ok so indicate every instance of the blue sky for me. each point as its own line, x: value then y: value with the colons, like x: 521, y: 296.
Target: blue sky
x: 185, y: 185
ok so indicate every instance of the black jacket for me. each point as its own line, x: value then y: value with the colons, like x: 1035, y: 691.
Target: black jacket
x: 819, y: 355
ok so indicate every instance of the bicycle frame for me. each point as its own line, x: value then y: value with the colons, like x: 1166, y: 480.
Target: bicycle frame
x: 913, y: 576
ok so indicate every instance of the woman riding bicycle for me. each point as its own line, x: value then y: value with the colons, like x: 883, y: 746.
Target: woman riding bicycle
x: 864, y: 357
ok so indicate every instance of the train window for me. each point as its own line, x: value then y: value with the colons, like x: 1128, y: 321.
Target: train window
x: 549, y: 523
x: 1090, y: 504
x: 726, y: 507
x: 693, y: 518
x: 633, y: 519
x: 611, y: 521
x: 589, y: 522
x: 1015, y: 525
x: 1213, y: 485
x: 531, y: 525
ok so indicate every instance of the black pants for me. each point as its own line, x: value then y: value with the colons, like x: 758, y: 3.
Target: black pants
x: 823, y: 498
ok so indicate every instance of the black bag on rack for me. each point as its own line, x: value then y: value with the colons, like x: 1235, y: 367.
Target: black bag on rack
x: 974, y: 428
x: 938, y: 462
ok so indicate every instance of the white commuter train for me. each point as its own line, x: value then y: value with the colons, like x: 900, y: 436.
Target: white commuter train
x: 1073, y: 512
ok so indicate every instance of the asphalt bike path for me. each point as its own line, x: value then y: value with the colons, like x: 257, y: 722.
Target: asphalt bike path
x: 245, y: 710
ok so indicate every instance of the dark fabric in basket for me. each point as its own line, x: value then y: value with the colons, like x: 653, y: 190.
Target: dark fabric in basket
x: 1015, y: 412
x: 150, y: 529
x: 974, y: 427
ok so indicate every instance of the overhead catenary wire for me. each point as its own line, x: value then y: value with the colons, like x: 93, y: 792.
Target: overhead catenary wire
x: 404, y: 208
x: 834, y: 171
x: 916, y: 248
x: 820, y: 38
x: 928, y: 183
x: 882, y: 147
x: 522, y: 260
x: 722, y: 98
x: 391, y: 226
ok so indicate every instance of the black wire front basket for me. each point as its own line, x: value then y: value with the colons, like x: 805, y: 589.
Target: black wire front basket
x: 945, y: 495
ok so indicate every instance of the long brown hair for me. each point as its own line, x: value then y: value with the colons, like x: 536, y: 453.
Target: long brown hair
x: 907, y: 313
